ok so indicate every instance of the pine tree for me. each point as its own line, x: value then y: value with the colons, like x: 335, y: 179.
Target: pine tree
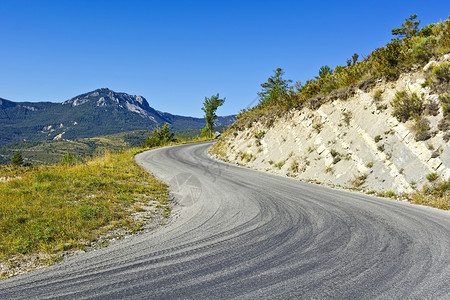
x: 274, y: 88
x: 409, y: 28
x: 17, y: 159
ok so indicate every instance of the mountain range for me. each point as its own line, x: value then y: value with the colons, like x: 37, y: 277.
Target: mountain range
x: 96, y: 113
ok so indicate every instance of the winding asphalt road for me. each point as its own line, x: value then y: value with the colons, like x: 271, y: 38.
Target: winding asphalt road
x: 238, y: 233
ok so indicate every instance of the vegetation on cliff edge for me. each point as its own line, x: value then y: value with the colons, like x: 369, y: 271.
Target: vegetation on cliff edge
x: 409, y: 50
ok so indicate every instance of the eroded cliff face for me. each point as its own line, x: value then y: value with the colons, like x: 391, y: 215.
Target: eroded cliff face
x: 351, y: 143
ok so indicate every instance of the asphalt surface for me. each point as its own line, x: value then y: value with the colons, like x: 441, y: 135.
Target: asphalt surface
x: 239, y: 233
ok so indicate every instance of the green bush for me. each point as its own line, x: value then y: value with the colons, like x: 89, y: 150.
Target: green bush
x: 406, y: 106
x: 444, y: 123
x: 432, y: 177
x: 377, y: 95
x: 442, y: 72
x: 432, y: 108
x: 246, y: 156
x: 280, y: 164
x: 422, y: 50
x: 259, y: 135
x: 390, y: 194
x: 386, y: 60
x: 162, y: 137
x: 295, y: 166
x: 440, y: 189
x: 445, y: 99
x: 358, y: 180
x: 17, y: 159
x: 427, y: 30
x: 421, y: 128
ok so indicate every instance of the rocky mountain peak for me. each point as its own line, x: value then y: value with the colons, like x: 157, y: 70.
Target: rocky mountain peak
x: 105, y: 97
x: 98, y: 112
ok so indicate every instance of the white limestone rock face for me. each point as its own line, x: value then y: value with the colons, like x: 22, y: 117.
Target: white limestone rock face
x: 345, y: 152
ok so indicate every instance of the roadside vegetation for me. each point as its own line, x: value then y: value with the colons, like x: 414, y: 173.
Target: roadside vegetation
x: 45, y: 210
x: 164, y: 137
x: 436, y: 194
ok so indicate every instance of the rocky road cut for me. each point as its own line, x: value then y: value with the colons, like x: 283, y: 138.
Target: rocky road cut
x: 236, y: 233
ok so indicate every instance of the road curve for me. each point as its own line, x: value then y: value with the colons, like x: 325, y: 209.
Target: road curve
x: 239, y: 233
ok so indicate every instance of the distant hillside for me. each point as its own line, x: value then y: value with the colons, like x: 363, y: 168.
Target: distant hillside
x: 52, y: 151
x: 96, y: 113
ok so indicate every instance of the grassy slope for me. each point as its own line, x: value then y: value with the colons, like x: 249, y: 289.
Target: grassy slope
x: 49, y: 209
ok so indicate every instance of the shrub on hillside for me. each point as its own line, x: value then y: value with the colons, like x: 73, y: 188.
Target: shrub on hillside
x: 377, y: 95
x: 444, y: 123
x: 432, y: 177
x: 406, y: 106
x: 421, y: 128
x: 385, y: 60
x: 435, y: 195
x: 160, y: 137
x: 440, y: 78
x: 442, y: 72
x: 432, y: 108
x: 445, y: 99
x: 17, y: 159
x: 422, y: 50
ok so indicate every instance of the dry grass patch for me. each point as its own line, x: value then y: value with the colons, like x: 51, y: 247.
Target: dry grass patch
x: 436, y: 195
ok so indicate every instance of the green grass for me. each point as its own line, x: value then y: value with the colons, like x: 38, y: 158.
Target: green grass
x: 49, y: 209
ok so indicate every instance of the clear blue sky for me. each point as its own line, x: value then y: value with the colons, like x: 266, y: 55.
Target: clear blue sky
x: 174, y: 53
